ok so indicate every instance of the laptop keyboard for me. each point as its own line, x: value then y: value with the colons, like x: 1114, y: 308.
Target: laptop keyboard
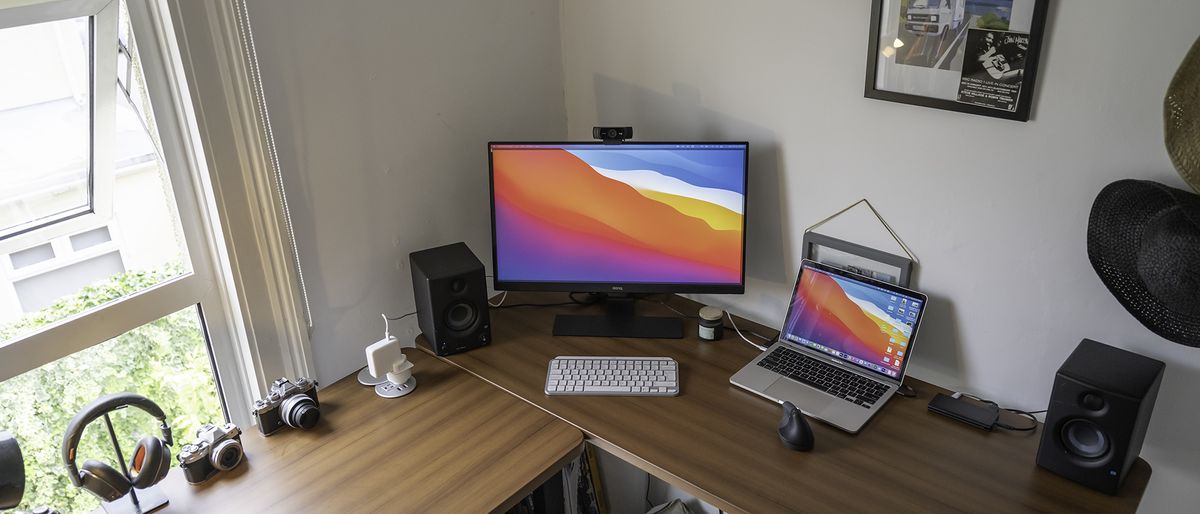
x: 831, y: 379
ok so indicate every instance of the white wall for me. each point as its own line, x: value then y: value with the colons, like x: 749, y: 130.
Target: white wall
x: 995, y: 210
x: 381, y: 112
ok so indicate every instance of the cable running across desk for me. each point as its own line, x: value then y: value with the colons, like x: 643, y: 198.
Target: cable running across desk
x: 1031, y: 415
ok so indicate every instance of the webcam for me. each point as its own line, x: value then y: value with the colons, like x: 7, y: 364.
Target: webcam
x: 612, y: 134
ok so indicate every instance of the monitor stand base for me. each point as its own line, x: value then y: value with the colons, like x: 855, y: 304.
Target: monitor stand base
x: 620, y: 321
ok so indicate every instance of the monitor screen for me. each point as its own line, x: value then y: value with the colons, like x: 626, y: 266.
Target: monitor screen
x: 862, y: 321
x: 633, y: 217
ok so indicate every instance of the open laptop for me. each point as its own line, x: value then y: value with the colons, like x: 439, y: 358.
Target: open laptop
x: 845, y: 344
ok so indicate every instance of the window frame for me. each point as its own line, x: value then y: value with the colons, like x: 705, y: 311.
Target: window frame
x: 102, y: 23
x: 240, y: 369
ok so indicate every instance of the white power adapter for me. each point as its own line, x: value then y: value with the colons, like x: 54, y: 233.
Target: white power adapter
x: 388, y: 367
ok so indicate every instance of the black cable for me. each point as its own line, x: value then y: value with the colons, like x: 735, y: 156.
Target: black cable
x: 512, y: 305
x: 402, y: 317
x: 593, y: 298
x: 1020, y: 429
x: 1027, y: 414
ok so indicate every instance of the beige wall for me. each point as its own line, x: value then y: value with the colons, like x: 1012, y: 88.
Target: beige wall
x: 995, y: 210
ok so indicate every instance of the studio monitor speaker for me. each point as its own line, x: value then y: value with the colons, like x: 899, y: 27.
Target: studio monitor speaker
x: 1099, y: 410
x: 451, y: 296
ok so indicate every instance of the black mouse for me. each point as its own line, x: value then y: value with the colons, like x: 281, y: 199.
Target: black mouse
x: 794, y: 429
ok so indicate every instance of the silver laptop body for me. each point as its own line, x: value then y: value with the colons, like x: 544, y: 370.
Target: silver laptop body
x: 848, y: 413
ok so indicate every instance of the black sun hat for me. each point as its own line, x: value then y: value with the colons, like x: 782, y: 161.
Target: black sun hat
x: 1144, y: 242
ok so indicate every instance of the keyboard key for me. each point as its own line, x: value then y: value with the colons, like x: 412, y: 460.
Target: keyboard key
x: 608, y: 389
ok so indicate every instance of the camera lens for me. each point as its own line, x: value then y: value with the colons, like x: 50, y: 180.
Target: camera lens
x: 300, y: 411
x: 226, y: 455
x: 612, y: 132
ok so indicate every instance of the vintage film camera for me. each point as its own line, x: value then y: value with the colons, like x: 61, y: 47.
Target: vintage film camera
x: 215, y: 449
x: 288, y: 403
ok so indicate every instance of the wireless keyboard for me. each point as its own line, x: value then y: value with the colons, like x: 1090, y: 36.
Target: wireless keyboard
x: 612, y: 376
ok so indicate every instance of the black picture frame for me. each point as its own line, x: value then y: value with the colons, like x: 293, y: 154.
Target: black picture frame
x: 1024, y: 104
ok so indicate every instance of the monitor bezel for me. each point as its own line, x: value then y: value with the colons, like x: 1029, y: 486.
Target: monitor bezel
x: 619, y: 287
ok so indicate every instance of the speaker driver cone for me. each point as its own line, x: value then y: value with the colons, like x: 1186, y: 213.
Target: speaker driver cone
x: 1084, y: 438
x: 461, y: 316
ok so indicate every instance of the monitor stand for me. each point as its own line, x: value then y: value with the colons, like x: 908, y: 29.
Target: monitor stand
x: 620, y: 320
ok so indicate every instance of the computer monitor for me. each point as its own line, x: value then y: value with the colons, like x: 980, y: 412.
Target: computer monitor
x: 619, y: 219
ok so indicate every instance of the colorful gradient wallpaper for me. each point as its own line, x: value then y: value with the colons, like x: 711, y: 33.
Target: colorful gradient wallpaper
x: 866, y: 325
x: 634, y: 213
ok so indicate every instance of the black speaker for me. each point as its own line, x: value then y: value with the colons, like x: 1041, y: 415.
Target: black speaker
x: 1098, y: 414
x: 451, y: 296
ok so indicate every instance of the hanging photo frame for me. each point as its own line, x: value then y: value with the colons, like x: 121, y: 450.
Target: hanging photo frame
x: 856, y: 258
x: 973, y: 56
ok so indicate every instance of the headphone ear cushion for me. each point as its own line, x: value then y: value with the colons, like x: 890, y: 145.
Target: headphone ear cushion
x: 150, y: 462
x: 103, y: 481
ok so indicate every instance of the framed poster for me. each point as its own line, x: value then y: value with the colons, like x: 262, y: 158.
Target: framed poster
x: 972, y: 56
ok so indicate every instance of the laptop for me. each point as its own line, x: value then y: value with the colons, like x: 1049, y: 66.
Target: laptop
x: 845, y: 344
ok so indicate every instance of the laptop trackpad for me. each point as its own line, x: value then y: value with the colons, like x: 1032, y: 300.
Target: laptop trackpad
x: 803, y: 397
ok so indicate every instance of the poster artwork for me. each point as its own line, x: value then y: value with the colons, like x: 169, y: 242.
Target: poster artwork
x: 934, y: 30
x: 993, y: 68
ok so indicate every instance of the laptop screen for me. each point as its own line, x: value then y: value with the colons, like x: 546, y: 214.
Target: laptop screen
x: 862, y: 321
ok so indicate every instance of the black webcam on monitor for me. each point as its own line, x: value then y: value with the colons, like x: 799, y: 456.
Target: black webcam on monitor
x: 612, y: 134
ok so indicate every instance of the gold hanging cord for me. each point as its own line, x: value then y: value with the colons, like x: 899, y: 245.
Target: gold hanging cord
x: 878, y: 216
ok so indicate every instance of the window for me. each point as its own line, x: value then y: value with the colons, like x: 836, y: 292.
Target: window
x: 166, y: 360
x: 46, y: 119
x: 110, y: 275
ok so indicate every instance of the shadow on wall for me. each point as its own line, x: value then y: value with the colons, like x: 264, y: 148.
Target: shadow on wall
x: 681, y: 117
x: 940, y: 352
x: 308, y: 190
x: 1171, y: 440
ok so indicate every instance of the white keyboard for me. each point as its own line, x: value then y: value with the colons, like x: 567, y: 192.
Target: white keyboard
x: 613, y: 376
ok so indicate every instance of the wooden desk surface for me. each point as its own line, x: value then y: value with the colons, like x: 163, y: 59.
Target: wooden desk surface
x: 719, y: 442
x: 455, y: 444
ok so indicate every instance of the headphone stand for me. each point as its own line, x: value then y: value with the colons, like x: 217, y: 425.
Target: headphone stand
x: 151, y: 498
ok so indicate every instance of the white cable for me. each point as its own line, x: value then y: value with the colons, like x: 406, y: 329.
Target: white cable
x: 739, y: 333
x: 503, y: 296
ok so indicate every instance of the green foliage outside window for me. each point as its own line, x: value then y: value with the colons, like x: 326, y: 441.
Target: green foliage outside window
x: 166, y: 360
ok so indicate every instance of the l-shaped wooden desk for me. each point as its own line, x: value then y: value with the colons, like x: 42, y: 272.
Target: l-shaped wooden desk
x: 457, y: 444
x: 453, y: 445
x: 719, y: 442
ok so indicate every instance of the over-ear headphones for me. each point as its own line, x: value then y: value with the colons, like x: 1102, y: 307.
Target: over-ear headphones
x: 148, y: 464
